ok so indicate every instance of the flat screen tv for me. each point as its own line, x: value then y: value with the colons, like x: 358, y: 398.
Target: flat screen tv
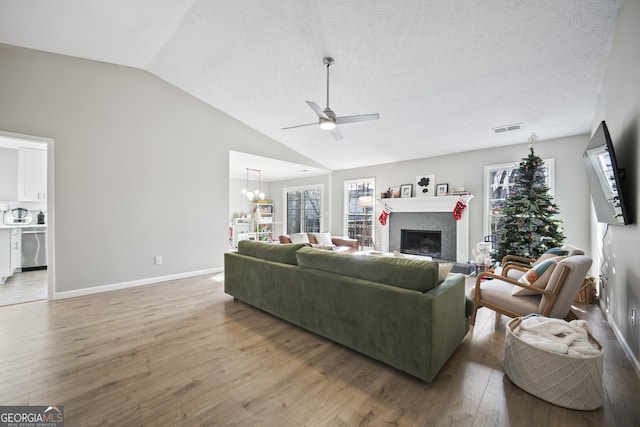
x: 605, y: 178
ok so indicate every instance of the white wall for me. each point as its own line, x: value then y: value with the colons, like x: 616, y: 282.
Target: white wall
x: 467, y: 169
x: 141, y: 168
x: 619, y: 106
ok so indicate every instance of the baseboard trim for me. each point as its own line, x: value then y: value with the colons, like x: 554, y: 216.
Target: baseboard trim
x: 133, y: 283
x: 623, y: 343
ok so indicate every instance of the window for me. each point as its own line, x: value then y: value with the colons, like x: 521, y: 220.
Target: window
x: 359, y: 202
x: 498, y: 184
x: 303, y: 213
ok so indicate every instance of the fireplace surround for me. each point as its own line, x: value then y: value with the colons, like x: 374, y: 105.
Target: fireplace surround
x: 457, y: 249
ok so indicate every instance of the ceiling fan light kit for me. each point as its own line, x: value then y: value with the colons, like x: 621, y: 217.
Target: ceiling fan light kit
x: 327, y: 119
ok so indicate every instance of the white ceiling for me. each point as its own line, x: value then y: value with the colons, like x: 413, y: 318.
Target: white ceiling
x: 441, y: 73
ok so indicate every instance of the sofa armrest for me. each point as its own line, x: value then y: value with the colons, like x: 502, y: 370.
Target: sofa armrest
x: 345, y: 241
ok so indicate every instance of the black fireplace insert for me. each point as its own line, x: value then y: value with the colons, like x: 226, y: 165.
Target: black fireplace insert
x: 421, y: 242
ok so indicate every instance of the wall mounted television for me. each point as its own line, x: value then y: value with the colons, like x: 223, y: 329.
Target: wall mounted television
x: 605, y: 178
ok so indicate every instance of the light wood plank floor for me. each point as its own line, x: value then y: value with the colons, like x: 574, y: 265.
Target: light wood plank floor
x: 184, y: 353
x: 24, y: 287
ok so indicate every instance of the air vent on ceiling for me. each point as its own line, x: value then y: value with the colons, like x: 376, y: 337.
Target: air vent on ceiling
x: 507, y: 128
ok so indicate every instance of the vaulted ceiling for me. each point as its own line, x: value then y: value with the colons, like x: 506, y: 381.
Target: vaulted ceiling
x: 441, y: 73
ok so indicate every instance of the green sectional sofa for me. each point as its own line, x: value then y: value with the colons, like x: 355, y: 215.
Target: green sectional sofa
x: 391, y: 309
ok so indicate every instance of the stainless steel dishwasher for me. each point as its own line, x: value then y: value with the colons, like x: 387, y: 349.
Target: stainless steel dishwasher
x: 34, y: 248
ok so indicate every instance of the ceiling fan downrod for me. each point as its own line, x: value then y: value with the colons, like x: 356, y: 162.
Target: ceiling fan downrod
x: 328, y: 62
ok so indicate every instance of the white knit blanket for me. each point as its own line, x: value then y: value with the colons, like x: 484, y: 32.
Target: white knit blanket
x: 558, y: 336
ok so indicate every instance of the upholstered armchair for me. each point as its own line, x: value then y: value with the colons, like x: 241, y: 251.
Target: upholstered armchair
x: 514, y: 266
x: 550, y: 294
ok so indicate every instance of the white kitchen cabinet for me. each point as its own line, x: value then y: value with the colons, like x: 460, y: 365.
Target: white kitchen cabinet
x: 32, y: 175
x: 5, y: 254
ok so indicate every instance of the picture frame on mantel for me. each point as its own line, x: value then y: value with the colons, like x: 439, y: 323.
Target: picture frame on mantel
x: 406, y: 190
x: 425, y: 185
x: 442, y: 190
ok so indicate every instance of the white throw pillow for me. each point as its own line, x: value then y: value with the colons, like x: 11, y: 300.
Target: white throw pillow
x: 323, y: 239
x: 299, y: 238
x: 444, y: 269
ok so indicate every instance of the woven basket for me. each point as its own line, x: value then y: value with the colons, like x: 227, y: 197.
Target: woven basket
x: 587, y: 292
x: 571, y: 382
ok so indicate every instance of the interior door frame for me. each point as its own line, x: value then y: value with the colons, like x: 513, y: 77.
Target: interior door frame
x: 51, y: 264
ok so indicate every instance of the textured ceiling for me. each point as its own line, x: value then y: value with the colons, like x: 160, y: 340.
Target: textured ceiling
x: 441, y: 73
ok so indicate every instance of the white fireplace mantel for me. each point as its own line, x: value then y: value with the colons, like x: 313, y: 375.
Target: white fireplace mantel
x: 432, y: 204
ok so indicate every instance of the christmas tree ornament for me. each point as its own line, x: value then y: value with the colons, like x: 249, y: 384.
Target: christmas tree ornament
x: 528, y: 225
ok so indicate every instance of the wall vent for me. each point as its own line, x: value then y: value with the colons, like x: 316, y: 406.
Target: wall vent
x: 507, y: 128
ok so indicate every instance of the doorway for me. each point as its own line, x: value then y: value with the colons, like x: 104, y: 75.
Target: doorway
x: 26, y: 218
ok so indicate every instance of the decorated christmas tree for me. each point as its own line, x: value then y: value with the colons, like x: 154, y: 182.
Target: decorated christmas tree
x: 528, y: 226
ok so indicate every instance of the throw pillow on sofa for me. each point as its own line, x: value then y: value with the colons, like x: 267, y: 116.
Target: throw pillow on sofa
x: 323, y: 239
x: 299, y: 238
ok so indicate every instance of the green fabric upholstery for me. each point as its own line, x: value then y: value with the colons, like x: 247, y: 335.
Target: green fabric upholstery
x: 413, y: 331
x: 285, y: 253
x: 419, y: 275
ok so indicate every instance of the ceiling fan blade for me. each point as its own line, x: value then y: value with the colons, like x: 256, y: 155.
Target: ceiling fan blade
x: 299, y: 126
x: 317, y: 109
x: 359, y: 118
x: 335, y: 133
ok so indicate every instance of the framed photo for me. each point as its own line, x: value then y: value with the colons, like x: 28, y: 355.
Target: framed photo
x: 406, y: 190
x: 425, y: 185
x: 442, y: 189
x: 395, y: 192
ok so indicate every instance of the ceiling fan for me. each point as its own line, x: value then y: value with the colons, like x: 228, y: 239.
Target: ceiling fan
x: 327, y: 118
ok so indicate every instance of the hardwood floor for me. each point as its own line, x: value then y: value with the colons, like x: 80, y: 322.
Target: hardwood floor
x: 184, y: 353
x: 24, y: 287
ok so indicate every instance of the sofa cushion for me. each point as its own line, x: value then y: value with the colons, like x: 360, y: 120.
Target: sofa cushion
x: 249, y: 247
x: 284, y: 253
x: 405, y: 273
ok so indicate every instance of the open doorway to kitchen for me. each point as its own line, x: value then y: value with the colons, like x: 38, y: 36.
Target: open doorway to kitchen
x: 26, y: 213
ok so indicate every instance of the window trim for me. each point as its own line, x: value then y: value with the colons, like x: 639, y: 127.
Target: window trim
x: 285, y: 209
x: 345, y: 204
x: 486, y: 217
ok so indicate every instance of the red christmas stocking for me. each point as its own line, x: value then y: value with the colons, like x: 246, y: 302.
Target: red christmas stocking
x: 457, y: 211
x: 383, y: 217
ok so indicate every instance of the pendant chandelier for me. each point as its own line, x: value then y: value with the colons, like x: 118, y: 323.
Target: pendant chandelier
x: 251, y: 195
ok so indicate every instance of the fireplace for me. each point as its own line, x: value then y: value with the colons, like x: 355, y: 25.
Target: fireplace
x: 421, y: 242
x: 428, y: 213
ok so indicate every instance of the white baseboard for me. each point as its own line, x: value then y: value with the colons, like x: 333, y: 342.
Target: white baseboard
x: 133, y: 283
x: 623, y: 343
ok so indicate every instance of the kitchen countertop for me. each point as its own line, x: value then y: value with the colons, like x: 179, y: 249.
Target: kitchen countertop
x: 3, y: 226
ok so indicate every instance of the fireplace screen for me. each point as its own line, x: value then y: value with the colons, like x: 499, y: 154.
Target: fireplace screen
x: 421, y: 242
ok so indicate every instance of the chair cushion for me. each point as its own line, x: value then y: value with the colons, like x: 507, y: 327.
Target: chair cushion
x: 538, y: 276
x: 299, y: 238
x: 499, y: 292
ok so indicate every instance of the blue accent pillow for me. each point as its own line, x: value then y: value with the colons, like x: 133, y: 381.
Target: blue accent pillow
x: 557, y: 252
